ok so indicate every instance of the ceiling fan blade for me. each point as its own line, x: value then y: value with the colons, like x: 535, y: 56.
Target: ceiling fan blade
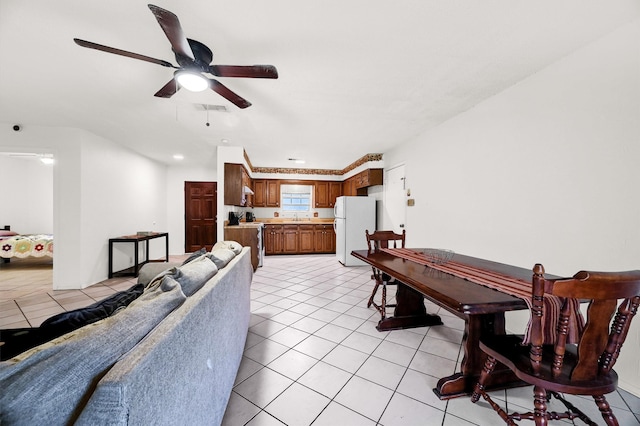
x: 225, y: 92
x: 168, y: 89
x: 121, y: 52
x: 251, y: 71
x: 171, y: 27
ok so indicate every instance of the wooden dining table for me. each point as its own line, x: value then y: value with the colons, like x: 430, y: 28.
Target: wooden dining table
x: 482, y: 308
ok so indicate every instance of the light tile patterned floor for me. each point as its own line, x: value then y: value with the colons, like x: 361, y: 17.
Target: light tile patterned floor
x: 313, y: 355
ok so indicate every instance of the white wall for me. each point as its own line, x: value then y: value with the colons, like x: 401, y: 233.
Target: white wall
x: 100, y: 190
x: 546, y: 172
x: 26, y: 200
x: 121, y: 193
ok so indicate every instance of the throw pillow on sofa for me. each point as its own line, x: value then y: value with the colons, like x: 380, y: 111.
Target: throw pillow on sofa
x: 221, y: 257
x: 234, y: 246
x: 194, y: 274
x: 53, y: 381
x: 196, y: 254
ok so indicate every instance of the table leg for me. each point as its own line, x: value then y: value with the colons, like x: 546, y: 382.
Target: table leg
x: 135, y: 258
x: 409, y: 312
x: 463, y: 383
x: 110, y: 259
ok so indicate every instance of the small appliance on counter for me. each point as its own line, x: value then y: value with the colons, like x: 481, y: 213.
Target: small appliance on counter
x: 234, y: 218
x: 249, y: 217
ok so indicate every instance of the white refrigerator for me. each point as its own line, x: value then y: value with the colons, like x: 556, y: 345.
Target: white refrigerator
x: 353, y: 215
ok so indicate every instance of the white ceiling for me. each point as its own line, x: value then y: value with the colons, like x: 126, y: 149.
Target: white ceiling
x: 356, y: 76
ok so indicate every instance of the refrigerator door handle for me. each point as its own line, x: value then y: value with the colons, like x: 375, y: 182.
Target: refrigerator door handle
x: 334, y: 226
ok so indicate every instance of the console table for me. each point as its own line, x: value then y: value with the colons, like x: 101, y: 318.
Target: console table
x: 136, y: 240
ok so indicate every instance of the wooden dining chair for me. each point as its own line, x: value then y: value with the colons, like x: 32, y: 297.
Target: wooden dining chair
x: 376, y: 241
x: 561, y: 367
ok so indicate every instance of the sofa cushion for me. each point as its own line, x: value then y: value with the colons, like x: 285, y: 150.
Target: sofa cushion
x: 234, y: 246
x: 53, y: 381
x: 194, y: 274
x: 221, y: 257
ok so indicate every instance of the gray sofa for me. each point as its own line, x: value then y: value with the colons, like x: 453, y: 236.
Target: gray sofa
x: 169, y: 358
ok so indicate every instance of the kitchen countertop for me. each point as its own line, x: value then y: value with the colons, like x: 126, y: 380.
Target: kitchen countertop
x: 290, y: 221
x: 283, y: 221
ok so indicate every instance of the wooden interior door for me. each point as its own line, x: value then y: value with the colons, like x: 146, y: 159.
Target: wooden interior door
x: 200, y: 210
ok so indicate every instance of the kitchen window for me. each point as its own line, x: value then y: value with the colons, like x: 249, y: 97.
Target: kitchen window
x: 296, y: 198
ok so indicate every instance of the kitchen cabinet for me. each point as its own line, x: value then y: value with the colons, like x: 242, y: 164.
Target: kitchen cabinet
x: 290, y: 240
x: 326, y: 193
x: 324, y: 239
x: 272, y: 197
x: 358, y: 184
x: 266, y: 193
x: 236, y: 178
x: 259, y: 193
x: 306, y: 234
x: 246, y: 236
x: 369, y: 177
x: 349, y: 187
x: 299, y: 238
x: 273, y: 235
x: 335, y: 191
x: 322, y: 194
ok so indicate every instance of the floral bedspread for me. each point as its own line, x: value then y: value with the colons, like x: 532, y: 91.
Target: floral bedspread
x: 27, y: 245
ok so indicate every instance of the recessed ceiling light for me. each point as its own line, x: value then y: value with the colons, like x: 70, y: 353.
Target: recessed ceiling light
x: 47, y: 160
x: 224, y: 141
x: 178, y: 157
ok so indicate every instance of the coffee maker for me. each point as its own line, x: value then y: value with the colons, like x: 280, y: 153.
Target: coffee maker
x: 249, y: 217
x: 234, y: 218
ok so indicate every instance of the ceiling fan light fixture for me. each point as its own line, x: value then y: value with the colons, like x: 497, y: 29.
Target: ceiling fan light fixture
x: 192, y: 81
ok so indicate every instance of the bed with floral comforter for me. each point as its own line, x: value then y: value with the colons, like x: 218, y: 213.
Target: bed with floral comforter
x: 21, y: 246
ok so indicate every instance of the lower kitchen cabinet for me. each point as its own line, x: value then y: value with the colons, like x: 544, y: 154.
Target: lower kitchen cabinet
x: 245, y: 236
x: 324, y: 239
x: 290, y: 240
x: 273, y: 239
x: 299, y: 239
x: 306, y: 238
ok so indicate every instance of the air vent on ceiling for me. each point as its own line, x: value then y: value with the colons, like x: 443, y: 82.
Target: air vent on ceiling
x: 207, y: 107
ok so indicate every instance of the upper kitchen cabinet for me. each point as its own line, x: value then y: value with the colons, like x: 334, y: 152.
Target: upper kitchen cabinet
x: 349, y: 187
x: 273, y: 193
x: 259, y: 192
x: 326, y: 193
x: 237, y: 186
x: 369, y: 177
x: 266, y: 193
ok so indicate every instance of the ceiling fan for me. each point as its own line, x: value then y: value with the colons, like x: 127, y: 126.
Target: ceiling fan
x: 194, y: 60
